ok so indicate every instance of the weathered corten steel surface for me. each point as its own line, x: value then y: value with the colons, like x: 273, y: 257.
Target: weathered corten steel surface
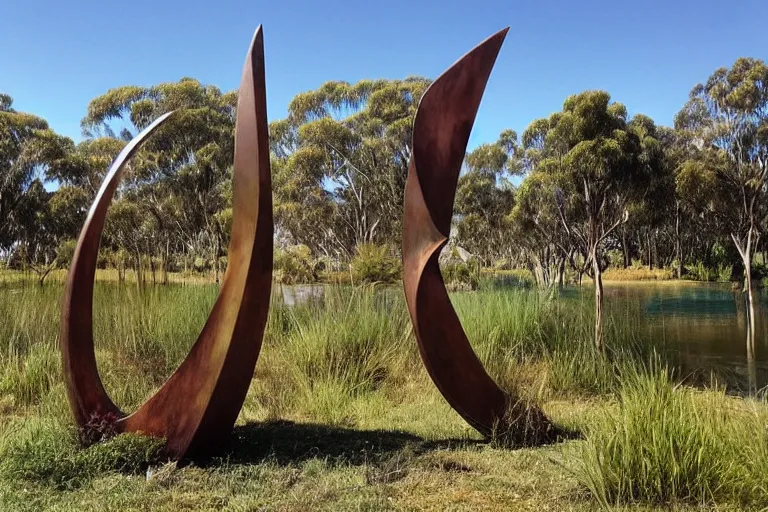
x: 441, y: 131
x: 198, y: 405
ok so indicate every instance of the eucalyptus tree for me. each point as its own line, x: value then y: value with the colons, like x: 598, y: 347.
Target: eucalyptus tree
x: 341, y: 163
x: 600, y: 162
x: 649, y: 209
x: 182, y: 175
x: 692, y: 221
x: 485, y: 197
x: 46, y: 226
x: 86, y: 164
x: 727, y: 117
x: 28, y: 147
x: 538, y: 231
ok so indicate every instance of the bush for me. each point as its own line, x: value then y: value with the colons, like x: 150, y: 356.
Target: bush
x: 638, y: 273
x: 667, y: 444
x: 65, y: 252
x: 295, y: 265
x: 461, y: 276
x: 375, y: 263
x: 700, y: 272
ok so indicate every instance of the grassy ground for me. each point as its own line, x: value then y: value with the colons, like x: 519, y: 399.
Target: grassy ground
x: 342, y: 416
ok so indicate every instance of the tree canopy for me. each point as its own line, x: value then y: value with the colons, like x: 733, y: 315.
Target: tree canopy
x: 587, y: 187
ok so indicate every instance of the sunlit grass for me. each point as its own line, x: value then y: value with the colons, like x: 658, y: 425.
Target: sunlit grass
x: 665, y: 444
x: 371, y: 431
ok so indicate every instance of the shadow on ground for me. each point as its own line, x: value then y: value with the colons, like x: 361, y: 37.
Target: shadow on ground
x: 289, y: 443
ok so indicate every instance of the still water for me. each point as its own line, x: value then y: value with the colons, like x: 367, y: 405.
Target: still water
x: 704, y: 327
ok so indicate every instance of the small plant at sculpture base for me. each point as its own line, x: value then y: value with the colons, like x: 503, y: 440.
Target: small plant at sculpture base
x: 525, y: 425
x: 99, y: 427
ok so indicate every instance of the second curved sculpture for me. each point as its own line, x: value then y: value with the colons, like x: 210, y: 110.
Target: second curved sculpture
x: 441, y: 131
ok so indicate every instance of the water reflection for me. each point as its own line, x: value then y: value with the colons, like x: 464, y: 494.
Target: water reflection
x: 299, y: 294
x: 707, y: 326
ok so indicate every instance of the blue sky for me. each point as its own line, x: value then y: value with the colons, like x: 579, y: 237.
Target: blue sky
x: 57, y: 55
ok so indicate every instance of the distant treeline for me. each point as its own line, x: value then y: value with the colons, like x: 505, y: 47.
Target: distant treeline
x: 595, y: 187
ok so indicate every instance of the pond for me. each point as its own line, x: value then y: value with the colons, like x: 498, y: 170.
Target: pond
x: 705, y: 327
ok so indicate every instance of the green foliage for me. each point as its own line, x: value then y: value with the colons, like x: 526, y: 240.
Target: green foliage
x: 461, y: 275
x: 353, y: 339
x: 45, y: 452
x: 340, y: 161
x: 348, y: 361
x: 725, y: 167
x: 375, y: 264
x: 295, y: 265
x: 666, y: 444
x: 485, y: 196
x: 550, y: 337
x: 29, y: 378
x: 65, y: 252
x: 700, y: 272
x: 28, y: 148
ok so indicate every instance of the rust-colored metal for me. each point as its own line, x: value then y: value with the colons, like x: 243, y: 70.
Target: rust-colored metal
x: 196, y: 408
x: 441, y: 131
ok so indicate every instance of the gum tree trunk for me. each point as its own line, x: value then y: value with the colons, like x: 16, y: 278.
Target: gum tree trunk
x: 746, y: 257
x: 598, y: 277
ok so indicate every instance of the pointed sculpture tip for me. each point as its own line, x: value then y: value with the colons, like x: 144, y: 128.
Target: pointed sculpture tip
x: 257, y: 37
x: 163, y: 118
x: 501, y: 35
x: 155, y: 124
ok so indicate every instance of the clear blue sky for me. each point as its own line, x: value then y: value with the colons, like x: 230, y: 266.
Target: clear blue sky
x: 57, y: 55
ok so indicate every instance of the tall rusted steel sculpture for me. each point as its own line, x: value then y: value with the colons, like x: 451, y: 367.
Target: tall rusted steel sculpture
x: 441, y: 130
x: 197, y: 407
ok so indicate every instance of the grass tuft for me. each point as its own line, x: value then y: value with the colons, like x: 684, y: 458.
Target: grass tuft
x: 46, y: 452
x: 665, y: 444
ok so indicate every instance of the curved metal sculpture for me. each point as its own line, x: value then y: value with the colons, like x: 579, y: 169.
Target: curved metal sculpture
x: 441, y: 131
x: 197, y: 407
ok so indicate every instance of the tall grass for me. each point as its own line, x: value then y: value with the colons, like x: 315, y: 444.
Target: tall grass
x: 140, y: 337
x: 515, y: 331
x: 638, y: 273
x: 666, y: 444
x: 355, y: 340
x: 350, y: 359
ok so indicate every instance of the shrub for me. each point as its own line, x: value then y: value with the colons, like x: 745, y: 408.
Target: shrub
x: 638, y: 273
x: 461, y: 276
x: 673, y: 444
x: 375, y: 263
x: 700, y: 272
x: 295, y: 265
x: 65, y: 252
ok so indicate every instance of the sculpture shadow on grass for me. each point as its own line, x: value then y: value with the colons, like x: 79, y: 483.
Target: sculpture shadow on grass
x: 288, y: 443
